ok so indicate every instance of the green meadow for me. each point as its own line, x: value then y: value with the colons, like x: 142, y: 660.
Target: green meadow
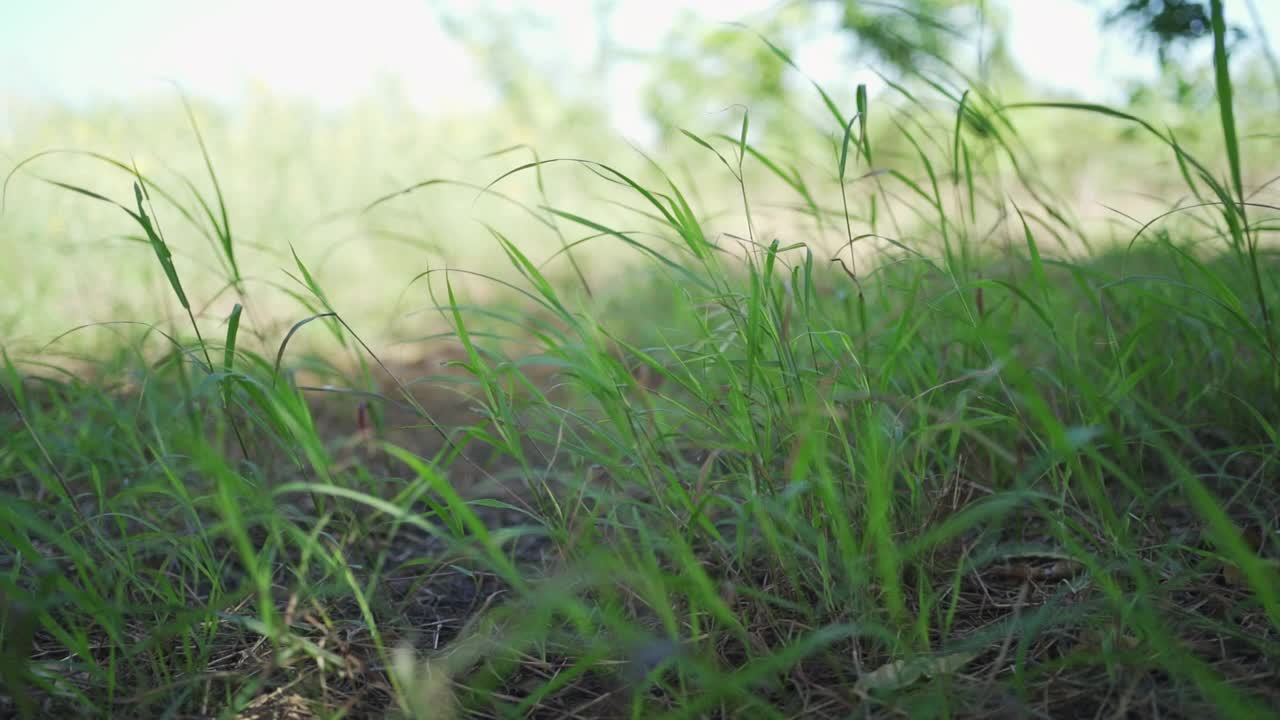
x: 937, y: 403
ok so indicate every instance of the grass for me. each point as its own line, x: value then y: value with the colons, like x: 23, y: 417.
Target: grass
x: 994, y: 468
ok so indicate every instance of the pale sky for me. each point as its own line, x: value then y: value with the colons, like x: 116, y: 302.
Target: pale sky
x: 329, y: 52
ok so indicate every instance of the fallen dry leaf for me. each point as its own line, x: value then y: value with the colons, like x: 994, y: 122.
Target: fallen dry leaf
x: 427, y: 686
x: 901, y: 673
x: 1253, y: 537
x: 278, y: 706
x: 1038, y: 568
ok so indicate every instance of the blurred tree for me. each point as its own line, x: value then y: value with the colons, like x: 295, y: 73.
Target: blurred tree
x: 1175, y: 26
x: 511, y: 43
x: 1167, y: 20
x: 701, y: 67
x: 697, y: 66
x: 904, y: 33
x: 1170, y: 23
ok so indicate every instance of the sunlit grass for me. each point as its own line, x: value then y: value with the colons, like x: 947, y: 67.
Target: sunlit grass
x: 942, y: 452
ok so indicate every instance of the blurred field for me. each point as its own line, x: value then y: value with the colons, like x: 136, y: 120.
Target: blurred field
x: 297, y: 177
x: 291, y: 176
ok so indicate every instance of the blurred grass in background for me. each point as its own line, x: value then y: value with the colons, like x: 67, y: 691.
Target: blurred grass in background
x: 297, y: 176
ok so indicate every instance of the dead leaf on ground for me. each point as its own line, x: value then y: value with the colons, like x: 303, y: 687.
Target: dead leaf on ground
x: 1254, y: 539
x: 278, y: 706
x: 426, y: 684
x: 901, y: 673
x: 1041, y: 567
